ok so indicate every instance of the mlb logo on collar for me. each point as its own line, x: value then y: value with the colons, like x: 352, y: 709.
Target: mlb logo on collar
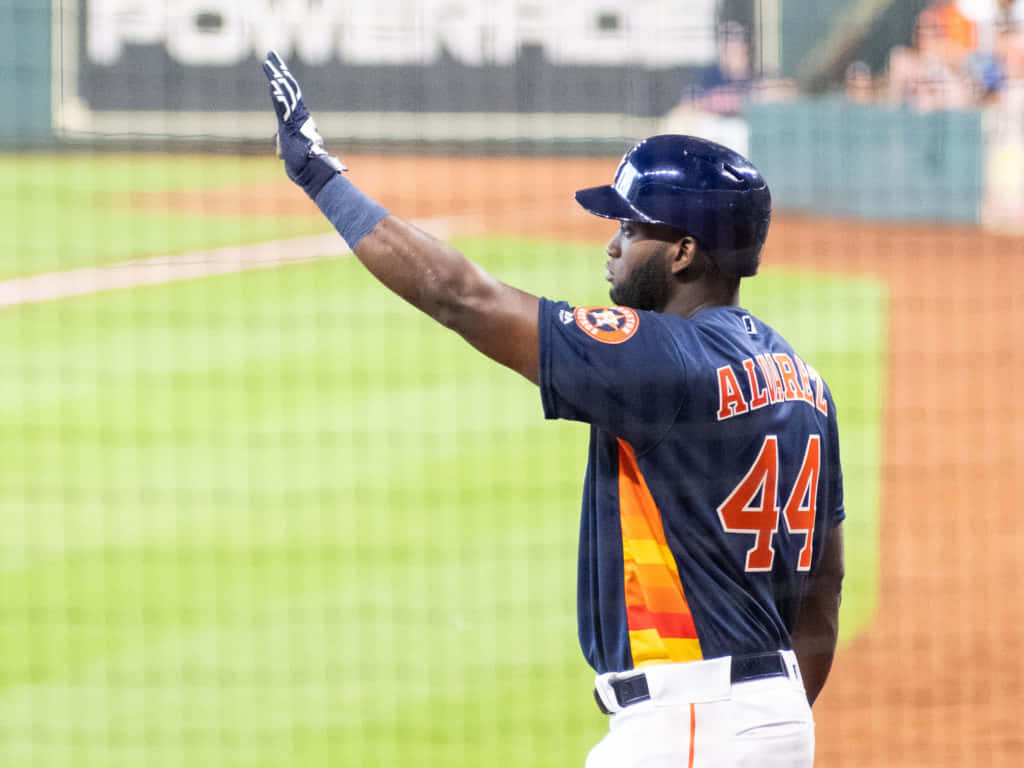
x: 748, y: 325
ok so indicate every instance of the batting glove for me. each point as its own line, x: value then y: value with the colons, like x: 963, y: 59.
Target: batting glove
x: 298, y: 142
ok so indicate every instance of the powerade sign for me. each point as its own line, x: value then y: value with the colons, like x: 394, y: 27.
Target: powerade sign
x: 629, y: 57
x: 477, y: 33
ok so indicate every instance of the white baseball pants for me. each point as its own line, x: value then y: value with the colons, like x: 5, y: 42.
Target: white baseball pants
x: 697, y: 718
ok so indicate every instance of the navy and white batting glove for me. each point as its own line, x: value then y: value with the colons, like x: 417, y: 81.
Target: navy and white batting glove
x: 298, y: 142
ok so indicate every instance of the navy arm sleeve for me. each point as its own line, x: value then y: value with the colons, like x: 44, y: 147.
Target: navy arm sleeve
x: 613, y: 367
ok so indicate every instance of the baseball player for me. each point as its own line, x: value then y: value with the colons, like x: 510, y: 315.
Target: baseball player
x: 711, y: 546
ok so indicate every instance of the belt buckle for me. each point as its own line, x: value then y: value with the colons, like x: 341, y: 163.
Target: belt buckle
x: 631, y: 690
x: 757, y: 666
x: 627, y: 690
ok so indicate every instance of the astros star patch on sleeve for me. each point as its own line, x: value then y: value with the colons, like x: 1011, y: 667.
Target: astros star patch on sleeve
x: 611, y: 325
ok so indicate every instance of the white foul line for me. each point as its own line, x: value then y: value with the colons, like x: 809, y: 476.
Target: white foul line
x: 166, y: 269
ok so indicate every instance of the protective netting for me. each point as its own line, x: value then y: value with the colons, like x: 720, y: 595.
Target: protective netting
x: 257, y: 511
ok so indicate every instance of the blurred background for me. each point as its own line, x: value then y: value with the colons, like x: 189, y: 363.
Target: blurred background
x: 255, y: 511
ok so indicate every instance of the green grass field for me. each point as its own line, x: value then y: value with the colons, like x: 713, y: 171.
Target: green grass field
x: 278, y: 518
x: 63, y: 212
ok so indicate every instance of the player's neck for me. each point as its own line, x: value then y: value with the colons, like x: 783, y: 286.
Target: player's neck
x: 691, y: 298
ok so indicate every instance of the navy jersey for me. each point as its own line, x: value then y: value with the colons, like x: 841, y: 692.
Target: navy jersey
x: 712, y: 484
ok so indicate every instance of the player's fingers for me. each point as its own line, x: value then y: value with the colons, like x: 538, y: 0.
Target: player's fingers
x: 291, y: 85
x: 290, y: 79
x: 295, y: 85
x: 288, y: 91
x: 273, y: 70
x: 281, y: 88
x: 281, y: 103
x: 274, y: 58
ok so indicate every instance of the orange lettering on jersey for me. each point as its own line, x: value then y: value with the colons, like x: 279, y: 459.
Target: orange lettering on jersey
x: 805, y: 381
x: 819, y: 401
x: 730, y: 398
x: 766, y: 373
x: 799, y: 516
x: 758, y: 395
x: 789, y: 376
x: 776, y: 389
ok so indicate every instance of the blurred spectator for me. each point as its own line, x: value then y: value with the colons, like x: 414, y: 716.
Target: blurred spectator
x: 726, y: 86
x: 712, y: 105
x: 935, y: 72
x: 859, y: 85
x: 1008, y: 16
x: 958, y: 32
x: 1008, y: 43
x: 1002, y: 40
x: 723, y: 88
x: 997, y: 24
x: 993, y: 17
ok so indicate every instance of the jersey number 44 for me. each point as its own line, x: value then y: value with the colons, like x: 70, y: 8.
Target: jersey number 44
x: 752, y: 507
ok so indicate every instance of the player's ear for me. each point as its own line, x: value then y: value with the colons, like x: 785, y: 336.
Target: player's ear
x: 682, y: 254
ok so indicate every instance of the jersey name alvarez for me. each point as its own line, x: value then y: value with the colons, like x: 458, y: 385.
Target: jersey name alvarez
x: 768, y: 379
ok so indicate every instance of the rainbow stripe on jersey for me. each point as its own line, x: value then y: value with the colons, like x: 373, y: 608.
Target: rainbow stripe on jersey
x: 661, y: 627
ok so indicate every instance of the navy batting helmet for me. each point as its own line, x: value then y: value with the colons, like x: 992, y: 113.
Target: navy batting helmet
x: 706, y: 190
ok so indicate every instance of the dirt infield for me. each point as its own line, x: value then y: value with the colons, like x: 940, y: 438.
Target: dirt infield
x: 938, y: 679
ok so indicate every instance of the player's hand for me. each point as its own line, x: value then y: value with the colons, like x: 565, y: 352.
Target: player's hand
x: 298, y: 142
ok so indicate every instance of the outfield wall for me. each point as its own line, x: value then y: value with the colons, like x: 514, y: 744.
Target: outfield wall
x: 429, y: 70
x: 109, y: 71
x: 25, y: 72
x: 834, y: 157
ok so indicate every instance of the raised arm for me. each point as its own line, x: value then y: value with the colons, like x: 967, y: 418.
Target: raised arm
x: 497, y: 319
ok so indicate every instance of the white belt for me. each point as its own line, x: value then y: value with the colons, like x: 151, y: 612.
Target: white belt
x: 691, y: 682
